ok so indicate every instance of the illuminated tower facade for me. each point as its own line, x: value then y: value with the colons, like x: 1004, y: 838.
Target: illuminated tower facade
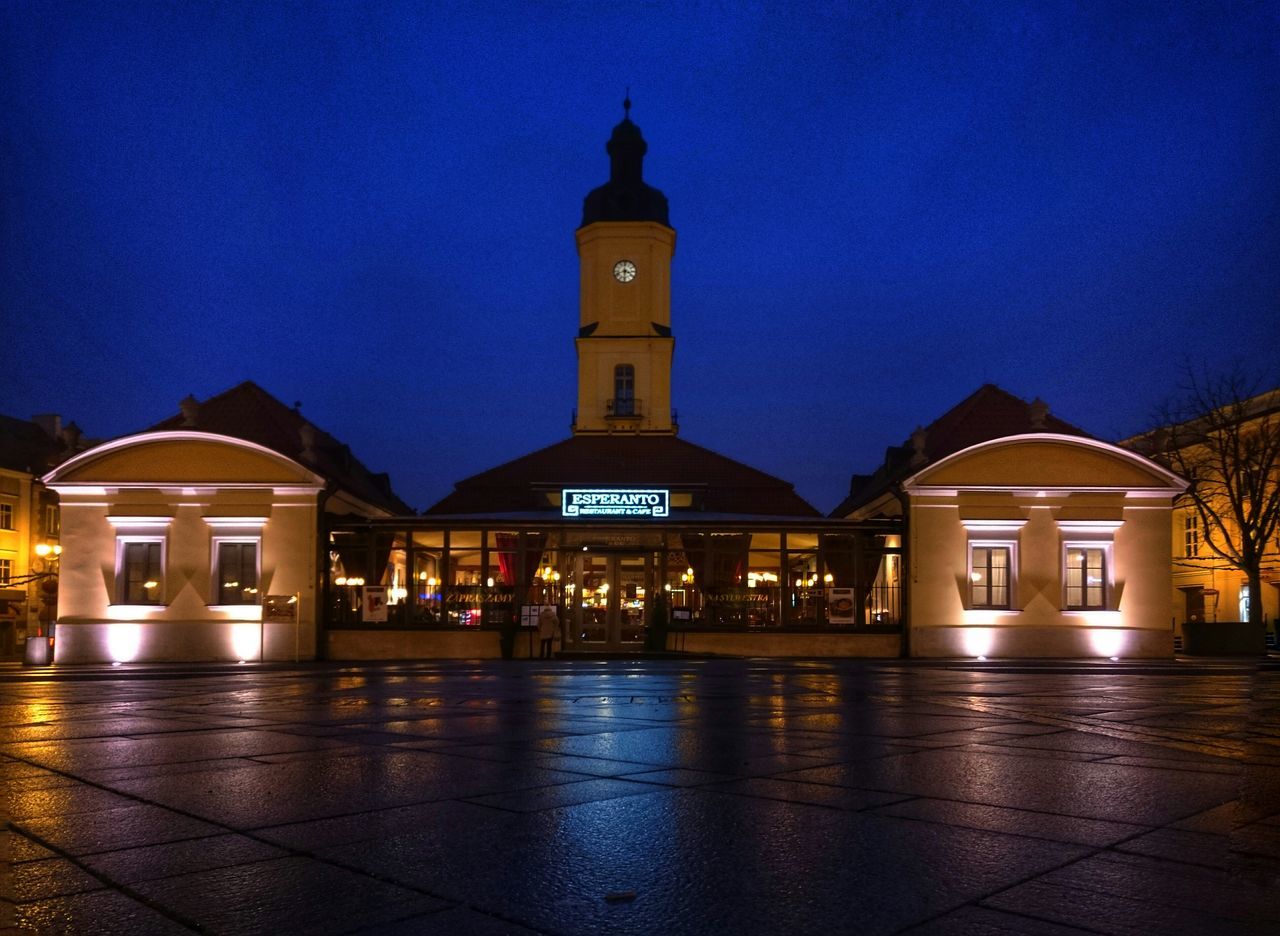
x: 624, y: 343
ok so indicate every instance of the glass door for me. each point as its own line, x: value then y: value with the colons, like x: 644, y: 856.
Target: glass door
x: 632, y: 574
x: 609, y: 598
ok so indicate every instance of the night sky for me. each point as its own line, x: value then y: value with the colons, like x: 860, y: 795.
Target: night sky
x: 370, y: 208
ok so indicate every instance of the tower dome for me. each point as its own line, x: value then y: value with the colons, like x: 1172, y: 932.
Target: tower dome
x: 625, y: 197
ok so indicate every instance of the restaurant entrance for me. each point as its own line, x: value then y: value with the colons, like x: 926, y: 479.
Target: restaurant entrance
x: 607, y: 596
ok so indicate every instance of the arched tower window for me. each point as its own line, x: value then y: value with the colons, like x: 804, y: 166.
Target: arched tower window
x: 624, y: 390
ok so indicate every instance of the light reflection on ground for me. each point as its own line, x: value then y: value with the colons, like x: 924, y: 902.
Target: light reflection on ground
x: 639, y: 797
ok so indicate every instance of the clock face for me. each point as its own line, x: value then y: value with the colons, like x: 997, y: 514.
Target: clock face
x: 624, y: 271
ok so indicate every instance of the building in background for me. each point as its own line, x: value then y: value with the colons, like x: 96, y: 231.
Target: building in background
x: 1026, y: 537
x: 199, y: 539
x: 29, y: 526
x: 641, y: 539
x: 1220, y: 527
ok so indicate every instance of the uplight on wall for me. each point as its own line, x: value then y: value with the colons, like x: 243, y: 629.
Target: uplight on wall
x: 123, y: 642
x: 978, y: 641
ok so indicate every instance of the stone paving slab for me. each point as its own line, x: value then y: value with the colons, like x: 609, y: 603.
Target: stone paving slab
x: 646, y: 796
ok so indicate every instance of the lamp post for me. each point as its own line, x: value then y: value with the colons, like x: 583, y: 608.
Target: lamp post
x: 45, y: 567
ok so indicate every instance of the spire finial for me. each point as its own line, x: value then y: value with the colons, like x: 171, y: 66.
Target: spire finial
x: 626, y: 105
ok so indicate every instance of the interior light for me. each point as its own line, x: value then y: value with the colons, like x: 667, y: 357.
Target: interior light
x: 150, y: 583
x: 489, y: 581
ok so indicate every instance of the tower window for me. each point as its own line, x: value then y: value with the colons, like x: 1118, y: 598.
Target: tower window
x: 624, y: 390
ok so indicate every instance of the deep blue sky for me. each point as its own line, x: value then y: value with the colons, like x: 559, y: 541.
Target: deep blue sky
x: 370, y: 208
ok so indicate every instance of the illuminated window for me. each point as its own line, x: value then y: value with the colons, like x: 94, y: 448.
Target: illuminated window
x: 624, y: 390
x: 1244, y: 601
x: 989, y: 576
x: 6, y: 571
x: 1086, y: 578
x: 52, y: 520
x: 6, y: 516
x: 140, y: 571
x: 1191, y: 535
x: 236, y: 571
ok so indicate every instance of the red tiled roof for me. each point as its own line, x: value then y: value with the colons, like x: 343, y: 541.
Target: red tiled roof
x: 721, y: 485
x: 248, y: 412
x: 988, y: 413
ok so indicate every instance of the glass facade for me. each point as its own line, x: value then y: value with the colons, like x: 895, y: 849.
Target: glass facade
x: 611, y: 583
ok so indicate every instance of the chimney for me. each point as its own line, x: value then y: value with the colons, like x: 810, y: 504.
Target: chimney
x: 307, y: 433
x: 1039, y: 410
x: 918, y: 439
x: 71, y: 437
x: 51, y: 423
x: 190, y: 411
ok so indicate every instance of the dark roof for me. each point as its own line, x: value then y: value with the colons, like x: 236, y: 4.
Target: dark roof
x: 719, y: 484
x: 25, y: 446
x: 626, y: 196
x: 248, y: 412
x: 988, y: 413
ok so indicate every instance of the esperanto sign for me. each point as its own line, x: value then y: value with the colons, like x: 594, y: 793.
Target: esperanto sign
x: 615, y: 502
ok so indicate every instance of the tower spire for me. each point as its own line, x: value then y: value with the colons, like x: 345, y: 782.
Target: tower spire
x: 626, y: 105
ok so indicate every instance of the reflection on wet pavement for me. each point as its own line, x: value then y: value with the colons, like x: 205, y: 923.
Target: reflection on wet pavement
x: 643, y: 797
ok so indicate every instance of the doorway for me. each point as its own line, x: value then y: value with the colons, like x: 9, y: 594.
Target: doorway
x: 609, y: 597
x: 1194, y: 603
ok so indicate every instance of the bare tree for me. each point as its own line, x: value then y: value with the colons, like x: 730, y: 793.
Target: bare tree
x: 1223, y: 435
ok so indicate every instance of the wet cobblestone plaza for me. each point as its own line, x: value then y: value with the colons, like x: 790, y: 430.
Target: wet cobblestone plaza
x: 655, y: 796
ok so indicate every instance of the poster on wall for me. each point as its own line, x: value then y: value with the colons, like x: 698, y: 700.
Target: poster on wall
x: 374, y: 606
x: 840, y: 605
x: 279, y: 609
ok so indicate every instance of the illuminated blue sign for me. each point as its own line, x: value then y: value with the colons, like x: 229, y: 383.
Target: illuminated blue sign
x: 615, y: 502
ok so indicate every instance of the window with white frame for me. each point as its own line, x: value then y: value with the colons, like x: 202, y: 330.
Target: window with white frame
x: 52, y: 520
x: 235, y: 571
x: 990, y: 575
x: 140, y: 570
x: 1086, y: 577
x: 1087, y: 564
x: 993, y: 563
x: 6, y: 515
x: 6, y: 571
x: 1191, y: 535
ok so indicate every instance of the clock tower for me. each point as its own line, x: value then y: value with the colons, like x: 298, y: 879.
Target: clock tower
x: 624, y: 343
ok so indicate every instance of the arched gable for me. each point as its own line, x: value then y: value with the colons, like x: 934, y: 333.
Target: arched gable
x: 1046, y: 460
x: 181, y: 457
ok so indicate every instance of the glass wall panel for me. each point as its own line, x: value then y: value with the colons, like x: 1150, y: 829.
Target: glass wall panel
x: 764, y: 581
x: 591, y: 593
x: 803, y: 586
x: 428, y: 586
x: 465, y: 590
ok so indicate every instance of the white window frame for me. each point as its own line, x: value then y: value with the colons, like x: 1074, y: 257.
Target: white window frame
x: 1011, y: 586
x: 1108, y: 574
x: 215, y: 577
x: 122, y: 540
x: 1089, y: 534
x: 999, y: 533
x: 1190, y: 535
x: 7, y: 573
x: 8, y: 515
